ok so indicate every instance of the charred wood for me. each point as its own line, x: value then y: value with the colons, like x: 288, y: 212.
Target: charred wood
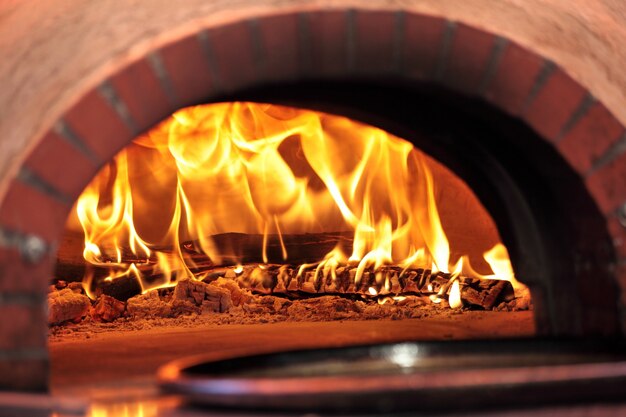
x: 387, y: 281
x: 67, y: 305
x: 121, y: 288
x: 107, y: 309
x: 486, y: 293
x: 235, y: 248
x: 248, y: 248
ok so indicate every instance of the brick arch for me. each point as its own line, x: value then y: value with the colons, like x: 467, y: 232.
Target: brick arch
x: 288, y: 47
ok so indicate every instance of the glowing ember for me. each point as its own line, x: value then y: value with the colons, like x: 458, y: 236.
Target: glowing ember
x: 269, y: 170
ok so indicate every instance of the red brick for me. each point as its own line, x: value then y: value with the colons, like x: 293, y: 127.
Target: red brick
x: 514, y: 78
x: 234, y: 55
x: 328, y: 42
x: 608, y: 185
x: 189, y: 71
x: 23, y: 327
x: 620, y: 274
x: 18, y: 276
x: 590, y: 138
x: 139, y: 88
x: 27, y: 210
x: 618, y: 236
x: 61, y: 165
x: 375, y: 42
x: 279, y: 35
x: 469, y: 57
x: 24, y: 374
x: 99, y: 125
x: 422, y: 44
x: 554, y: 104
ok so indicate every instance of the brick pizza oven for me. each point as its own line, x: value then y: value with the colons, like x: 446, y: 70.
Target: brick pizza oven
x: 82, y: 79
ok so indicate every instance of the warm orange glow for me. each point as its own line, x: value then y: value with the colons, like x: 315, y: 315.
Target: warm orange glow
x: 131, y: 409
x: 266, y: 169
x: 498, y: 259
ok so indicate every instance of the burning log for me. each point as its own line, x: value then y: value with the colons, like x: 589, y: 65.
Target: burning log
x: 387, y: 281
x: 485, y: 293
x: 188, y: 297
x: 225, y: 287
x: 210, y: 297
x: 148, y: 305
x: 76, y: 287
x: 235, y: 248
x: 521, y: 301
x: 107, y: 309
x: 257, y: 289
x: 121, y: 288
x: 278, y: 302
x: 248, y: 248
x: 67, y: 305
x: 238, y: 295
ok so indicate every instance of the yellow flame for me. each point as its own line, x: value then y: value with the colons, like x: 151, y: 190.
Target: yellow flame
x: 498, y: 259
x: 258, y: 168
x: 454, y: 298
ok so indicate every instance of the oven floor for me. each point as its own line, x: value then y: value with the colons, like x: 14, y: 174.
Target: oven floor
x: 115, y: 358
x: 112, y: 374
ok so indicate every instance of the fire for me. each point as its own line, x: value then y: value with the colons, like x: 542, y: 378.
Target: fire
x: 265, y: 169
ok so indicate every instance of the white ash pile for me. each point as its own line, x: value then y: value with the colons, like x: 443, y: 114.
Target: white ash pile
x: 188, y: 297
x: 67, y: 304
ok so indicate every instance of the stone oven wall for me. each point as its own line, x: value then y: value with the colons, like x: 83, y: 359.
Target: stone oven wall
x: 80, y: 79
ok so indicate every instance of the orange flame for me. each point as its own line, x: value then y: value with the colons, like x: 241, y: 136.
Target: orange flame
x: 258, y: 168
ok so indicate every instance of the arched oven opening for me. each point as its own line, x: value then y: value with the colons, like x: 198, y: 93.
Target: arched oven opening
x: 541, y: 157
x: 540, y: 210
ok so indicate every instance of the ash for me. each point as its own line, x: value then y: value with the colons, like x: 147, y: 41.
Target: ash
x: 192, y: 304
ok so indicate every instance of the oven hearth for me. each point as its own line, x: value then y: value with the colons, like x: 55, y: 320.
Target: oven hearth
x: 244, y: 195
x: 231, y: 297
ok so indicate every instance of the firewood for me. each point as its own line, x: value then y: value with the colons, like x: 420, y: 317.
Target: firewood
x: 389, y: 280
x: 518, y: 301
x: 297, y: 301
x: 235, y: 248
x: 282, y: 277
x: 238, y: 296
x: 189, y: 296
x: 211, y: 297
x: 148, y: 305
x: 66, y: 305
x: 248, y: 248
x: 121, y: 288
x: 77, y: 287
x: 484, y: 293
x: 107, y: 309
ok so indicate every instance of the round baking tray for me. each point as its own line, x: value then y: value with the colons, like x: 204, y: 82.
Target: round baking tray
x: 428, y: 376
